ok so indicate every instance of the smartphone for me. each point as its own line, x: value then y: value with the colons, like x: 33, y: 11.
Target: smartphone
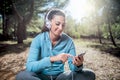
x: 82, y: 54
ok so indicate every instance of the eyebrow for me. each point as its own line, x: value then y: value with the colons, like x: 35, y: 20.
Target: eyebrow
x: 59, y: 22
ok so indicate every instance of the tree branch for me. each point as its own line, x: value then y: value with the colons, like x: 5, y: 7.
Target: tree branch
x: 28, y: 18
x: 17, y: 13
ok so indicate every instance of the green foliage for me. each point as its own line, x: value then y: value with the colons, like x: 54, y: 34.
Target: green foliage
x: 41, y: 6
x: 35, y: 26
x: 71, y: 28
x: 105, y: 31
x: 87, y: 28
x: 76, y: 29
x: 116, y: 30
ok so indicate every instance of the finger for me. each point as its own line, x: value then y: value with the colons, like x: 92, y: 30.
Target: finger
x: 64, y: 59
x: 78, y: 60
x: 75, y: 60
x: 68, y: 55
x: 75, y: 63
x: 81, y: 58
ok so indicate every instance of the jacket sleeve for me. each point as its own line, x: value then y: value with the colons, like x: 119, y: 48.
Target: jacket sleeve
x: 71, y: 65
x: 34, y: 63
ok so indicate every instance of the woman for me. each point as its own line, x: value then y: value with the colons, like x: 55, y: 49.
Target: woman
x: 50, y: 50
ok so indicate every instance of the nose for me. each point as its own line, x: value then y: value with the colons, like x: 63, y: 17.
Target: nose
x: 60, y: 27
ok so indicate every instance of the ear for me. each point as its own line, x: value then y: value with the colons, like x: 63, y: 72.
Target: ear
x: 48, y: 24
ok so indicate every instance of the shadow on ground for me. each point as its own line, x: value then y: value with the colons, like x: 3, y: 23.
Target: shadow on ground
x: 12, y: 48
x: 115, y: 51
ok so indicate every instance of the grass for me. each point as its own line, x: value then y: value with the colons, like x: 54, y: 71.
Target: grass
x: 85, y: 42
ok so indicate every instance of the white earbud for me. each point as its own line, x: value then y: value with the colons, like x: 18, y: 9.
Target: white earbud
x: 48, y: 23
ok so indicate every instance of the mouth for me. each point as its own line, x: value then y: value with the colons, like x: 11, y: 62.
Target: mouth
x: 60, y: 32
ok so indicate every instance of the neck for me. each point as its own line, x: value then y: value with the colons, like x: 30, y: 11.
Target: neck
x: 53, y: 37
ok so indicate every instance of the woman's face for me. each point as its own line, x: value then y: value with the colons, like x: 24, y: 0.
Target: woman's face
x: 57, y: 25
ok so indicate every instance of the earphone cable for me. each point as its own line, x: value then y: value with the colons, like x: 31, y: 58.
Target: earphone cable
x: 51, y: 78
x: 72, y: 76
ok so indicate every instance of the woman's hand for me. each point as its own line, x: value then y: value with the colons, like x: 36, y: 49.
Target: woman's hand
x: 78, y: 60
x: 60, y: 57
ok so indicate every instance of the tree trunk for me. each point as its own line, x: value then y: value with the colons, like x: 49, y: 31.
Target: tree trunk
x: 20, y: 32
x: 99, y: 34
x: 27, y: 19
x: 5, y: 26
x: 109, y: 17
x: 22, y: 22
x: 111, y: 36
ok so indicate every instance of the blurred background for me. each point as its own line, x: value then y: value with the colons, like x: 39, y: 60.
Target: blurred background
x: 94, y: 26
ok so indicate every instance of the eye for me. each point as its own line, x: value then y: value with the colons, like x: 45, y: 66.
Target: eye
x: 57, y: 24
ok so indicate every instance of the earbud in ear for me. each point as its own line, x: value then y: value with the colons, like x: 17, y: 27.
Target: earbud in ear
x: 48, y: 24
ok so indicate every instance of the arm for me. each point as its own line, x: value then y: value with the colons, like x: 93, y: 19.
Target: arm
x: 34, y: 63
x: 72, y: 66
x: 60, y: 57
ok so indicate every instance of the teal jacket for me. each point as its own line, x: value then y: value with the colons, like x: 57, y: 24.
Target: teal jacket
x: 41, y: 49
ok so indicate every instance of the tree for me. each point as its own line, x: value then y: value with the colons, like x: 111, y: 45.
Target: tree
x: 111, y: 17
x: 24, y: 10
x: 23, y: 21
x: 5, y: 11
x: 111, y: 11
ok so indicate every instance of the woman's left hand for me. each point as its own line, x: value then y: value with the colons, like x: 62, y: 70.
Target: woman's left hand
x: 78, y: 60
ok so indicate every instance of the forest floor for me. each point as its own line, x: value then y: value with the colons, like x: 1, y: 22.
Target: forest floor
x: 13, y: 59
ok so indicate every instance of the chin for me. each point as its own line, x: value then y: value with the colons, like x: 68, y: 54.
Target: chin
x: 59, y: 34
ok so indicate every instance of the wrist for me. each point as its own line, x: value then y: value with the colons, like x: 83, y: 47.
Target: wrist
x: 80, y: 65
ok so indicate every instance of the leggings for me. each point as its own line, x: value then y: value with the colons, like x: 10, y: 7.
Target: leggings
x: 85, y: 74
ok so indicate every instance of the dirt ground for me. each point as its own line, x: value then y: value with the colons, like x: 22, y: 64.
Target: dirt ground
x: 105, y: 66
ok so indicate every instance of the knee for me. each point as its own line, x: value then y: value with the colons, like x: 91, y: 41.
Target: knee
x: 24, y: 75
x: 89, y: 73
x: 20, y: 75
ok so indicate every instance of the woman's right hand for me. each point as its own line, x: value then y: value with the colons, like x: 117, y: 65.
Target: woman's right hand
x: 60, y: 57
